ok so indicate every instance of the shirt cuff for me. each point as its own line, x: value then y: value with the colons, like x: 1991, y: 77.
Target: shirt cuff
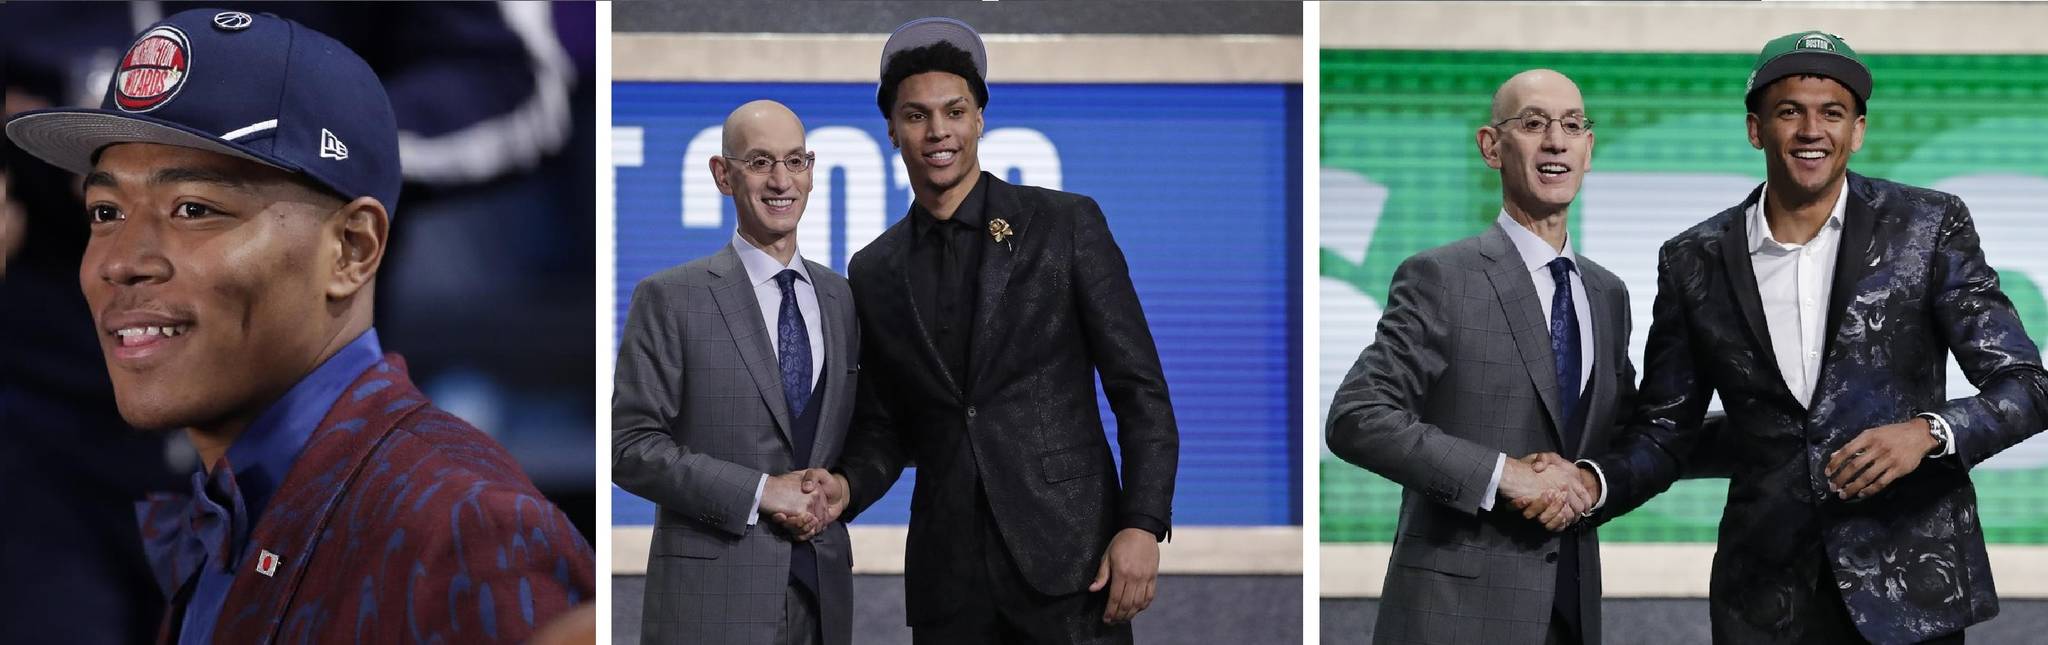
x: 1948, y: 433
x: 760, y: 488
x: 1500, y: 464
x: 1149, y: 524
x: 1602, y: 475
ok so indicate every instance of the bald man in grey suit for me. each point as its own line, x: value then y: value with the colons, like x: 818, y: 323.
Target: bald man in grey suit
x: 1496, y: 346
x: 736, y: 372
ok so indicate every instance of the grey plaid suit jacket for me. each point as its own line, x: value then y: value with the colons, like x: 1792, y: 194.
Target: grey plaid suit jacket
x: 1460, y: 372
x: 697, y: 417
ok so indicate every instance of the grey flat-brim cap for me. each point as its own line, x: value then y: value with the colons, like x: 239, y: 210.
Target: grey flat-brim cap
x: 926, y: 31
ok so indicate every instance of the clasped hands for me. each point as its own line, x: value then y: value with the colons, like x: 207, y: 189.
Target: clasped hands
x: 1549, y: 489
x: 804, y: 502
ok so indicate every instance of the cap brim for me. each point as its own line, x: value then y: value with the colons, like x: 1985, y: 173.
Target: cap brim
x: 70, y: 138
x: 1848, y: 72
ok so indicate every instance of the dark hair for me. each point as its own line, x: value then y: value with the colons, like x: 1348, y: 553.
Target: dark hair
x: 936, y: 57
x: 1756, y: 97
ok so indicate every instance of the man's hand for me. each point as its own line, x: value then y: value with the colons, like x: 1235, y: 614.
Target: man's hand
x: 1878, y: 457
x: 785, y: 500
x: 1130, y: 568
x: 1547, y: 488
x: 828, y: 495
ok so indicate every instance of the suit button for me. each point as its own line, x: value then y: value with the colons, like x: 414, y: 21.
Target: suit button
x: 970, y: 412
x: 1550, y: 557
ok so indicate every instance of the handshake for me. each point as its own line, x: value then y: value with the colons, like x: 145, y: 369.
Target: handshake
x: 1549, y: 489
x: 804, y: 502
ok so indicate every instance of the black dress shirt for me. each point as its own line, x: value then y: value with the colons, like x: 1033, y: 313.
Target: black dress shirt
x: 945, y: 276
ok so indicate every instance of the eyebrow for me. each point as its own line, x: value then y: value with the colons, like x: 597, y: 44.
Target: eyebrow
x: 1528, y: 111
x: 913, y: 105
x: 760, y: 152
x: 173, y: 175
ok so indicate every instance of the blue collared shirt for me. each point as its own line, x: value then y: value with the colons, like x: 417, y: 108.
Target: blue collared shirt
x: 262, y: 456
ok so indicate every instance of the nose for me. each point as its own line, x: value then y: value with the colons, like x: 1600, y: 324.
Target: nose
x: 130, y: 255
x: 1554, y: 139
x: 1810, y: 128
x: 781, y: 178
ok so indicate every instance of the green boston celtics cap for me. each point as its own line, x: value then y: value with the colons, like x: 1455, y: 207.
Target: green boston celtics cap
x: 1809, y: 52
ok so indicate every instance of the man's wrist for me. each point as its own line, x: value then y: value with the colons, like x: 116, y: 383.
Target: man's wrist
x: 1942, y: 433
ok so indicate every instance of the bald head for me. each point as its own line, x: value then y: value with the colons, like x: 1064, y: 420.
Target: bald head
x: 762, y: 123
x: 1528, y: 89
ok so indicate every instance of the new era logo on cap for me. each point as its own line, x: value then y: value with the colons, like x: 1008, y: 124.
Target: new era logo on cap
x: 331, y: 146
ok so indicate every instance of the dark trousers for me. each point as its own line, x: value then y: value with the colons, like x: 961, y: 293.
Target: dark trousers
x: 1007, y: 610
x: 1833, y: 624
x: 799, y: 617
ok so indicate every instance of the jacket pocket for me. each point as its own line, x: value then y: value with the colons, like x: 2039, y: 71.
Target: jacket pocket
x: 1455, y: 559
x: 690, y: 543
x: 1071, y: 463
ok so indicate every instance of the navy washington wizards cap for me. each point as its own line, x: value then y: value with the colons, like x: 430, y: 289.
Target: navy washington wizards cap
x: 258, y: 87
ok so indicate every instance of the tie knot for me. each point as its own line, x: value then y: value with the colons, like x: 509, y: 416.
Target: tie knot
x: 1561, y: 268
x: 785, y: 279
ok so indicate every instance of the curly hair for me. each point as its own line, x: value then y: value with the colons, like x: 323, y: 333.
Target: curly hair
x: 936, y: 57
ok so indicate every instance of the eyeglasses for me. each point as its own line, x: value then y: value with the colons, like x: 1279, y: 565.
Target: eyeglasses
x: 1574, y: 125
x: 764, y: 164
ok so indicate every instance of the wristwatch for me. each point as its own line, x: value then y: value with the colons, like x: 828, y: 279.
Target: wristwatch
x: 1938, y: 427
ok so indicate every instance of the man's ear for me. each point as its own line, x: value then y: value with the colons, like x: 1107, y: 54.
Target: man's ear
x: 361, y: 231
x: 1489, y: 146
x: 719, y: 164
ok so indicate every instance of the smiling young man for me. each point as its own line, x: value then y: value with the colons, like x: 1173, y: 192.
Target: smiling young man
x: 1821, y: 310
x: 240, y: 177
x: 986, y: 314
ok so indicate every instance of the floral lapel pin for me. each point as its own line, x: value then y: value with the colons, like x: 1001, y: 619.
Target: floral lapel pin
x: 999, y: 230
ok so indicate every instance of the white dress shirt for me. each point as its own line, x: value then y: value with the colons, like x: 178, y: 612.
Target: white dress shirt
x: 761, y: 271
x: 1793, y: 282
x: 1537, y: 254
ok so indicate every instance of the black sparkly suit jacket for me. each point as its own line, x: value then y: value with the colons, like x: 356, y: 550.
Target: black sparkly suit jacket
x: 1056, y: 309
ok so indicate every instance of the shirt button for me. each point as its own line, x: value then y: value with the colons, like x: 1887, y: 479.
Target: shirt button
x: 970, y: 412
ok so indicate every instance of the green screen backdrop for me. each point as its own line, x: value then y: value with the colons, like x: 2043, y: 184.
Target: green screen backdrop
x: 1401, y: 173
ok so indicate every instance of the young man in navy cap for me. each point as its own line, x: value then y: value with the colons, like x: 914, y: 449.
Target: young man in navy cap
x: 240, y: 177
x: 986, y: 314
x: 1851, y: 517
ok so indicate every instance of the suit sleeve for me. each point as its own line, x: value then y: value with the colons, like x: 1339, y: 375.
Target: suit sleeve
x: 1984, y: 332
x: 509, y: 563
x: 1120, y: 343
x: 875, y: 453
x: 1666, y: 430
x: 1376, y: 416
x: 648, y: 392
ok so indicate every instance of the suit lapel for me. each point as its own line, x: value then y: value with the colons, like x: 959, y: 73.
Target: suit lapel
x: 1602, y: 385
x: 1517, y: 296
x: 742, y: 311
x: 1742, y: 281
x: 300, y: 513
x: 1852, y: 262
x: 996, y: 263
x: 835, y: 384
x: 897, y: 254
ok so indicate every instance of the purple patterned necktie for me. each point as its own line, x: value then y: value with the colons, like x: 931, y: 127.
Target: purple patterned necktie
x: 181, y: 531
x: 1564, y: 344
x: 793, y: 347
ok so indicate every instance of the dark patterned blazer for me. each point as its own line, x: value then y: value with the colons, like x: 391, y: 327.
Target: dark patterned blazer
x: 400, y: 523
x: 1056, y: 308
x: 1910, y: 285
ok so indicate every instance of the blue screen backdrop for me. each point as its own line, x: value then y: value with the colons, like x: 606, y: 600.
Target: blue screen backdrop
x: 1200, y: 186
